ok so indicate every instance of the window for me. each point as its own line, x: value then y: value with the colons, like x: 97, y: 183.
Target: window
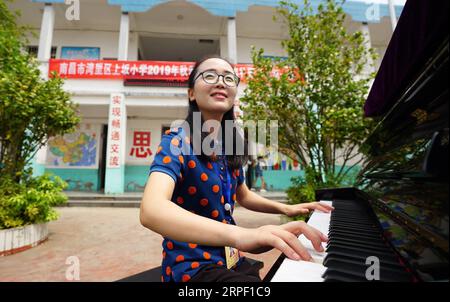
x: 33, y: 50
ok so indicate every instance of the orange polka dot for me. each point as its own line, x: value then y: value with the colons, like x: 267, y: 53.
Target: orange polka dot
x: 206, y: 255
x: 209, y: 166
x: 167, y: 159
x: 237, y: 172
x: 194, y: 265
x: 159, y: 149
x: 234, y: 197
x: 164, y: 254
x: 170, y: 245
x: 186, y: 278
x: 204, y: 202
x: 180, y: 200
x: 214, y: 214
x: 222, y: 200
x: 192, y: 190
x: 204, y: 177
x: 219, y: 262
x: 179, y: 258
x: 191, y: 164
x: 175, y: 142
x: 192, y: 245
x: 181, y: 159
x: 168, y: 271
x: 215, y: 188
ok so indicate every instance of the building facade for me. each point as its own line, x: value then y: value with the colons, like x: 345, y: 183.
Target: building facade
x: 126, y: 63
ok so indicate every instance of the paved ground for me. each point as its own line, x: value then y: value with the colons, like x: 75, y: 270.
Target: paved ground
x: 110, y: 244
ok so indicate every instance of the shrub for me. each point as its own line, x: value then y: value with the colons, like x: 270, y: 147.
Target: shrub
x: 30, y: 201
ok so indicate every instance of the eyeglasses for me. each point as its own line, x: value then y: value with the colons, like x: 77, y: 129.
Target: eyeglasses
x: 212, y: 77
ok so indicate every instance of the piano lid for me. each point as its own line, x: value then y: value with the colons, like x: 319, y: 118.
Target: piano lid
x: 422, y: 27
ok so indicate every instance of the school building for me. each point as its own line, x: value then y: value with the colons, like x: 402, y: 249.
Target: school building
x: 126, y: 64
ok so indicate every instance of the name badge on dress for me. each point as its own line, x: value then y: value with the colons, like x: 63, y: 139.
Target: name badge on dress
x: 231, y: 256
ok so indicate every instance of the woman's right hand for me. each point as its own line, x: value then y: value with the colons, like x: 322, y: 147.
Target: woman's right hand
x: 282, y: 237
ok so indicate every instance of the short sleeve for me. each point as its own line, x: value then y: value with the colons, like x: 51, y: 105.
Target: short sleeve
x: 169, y: 158
x: 240, y: 176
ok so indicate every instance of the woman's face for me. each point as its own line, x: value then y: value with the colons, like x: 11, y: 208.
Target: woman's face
x: 213, y: 98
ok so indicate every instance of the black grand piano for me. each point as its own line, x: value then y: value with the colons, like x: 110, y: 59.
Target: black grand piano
x: 398, y: 209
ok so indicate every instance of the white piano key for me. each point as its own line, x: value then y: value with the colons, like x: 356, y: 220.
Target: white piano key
x: 320, y: 221
x: 299, y: 271
x: 317, y: 256
x: 305, y: 271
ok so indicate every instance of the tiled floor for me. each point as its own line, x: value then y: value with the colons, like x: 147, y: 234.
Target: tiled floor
x: 109, y: 243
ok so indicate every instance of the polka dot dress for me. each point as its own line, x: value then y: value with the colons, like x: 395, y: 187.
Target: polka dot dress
x: 199, y: 188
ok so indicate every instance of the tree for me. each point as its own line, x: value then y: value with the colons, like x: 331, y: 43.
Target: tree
x: 31, y: 109
x: 319, y: 95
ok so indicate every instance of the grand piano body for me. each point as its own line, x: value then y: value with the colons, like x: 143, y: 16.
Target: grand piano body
x: 393, y: 225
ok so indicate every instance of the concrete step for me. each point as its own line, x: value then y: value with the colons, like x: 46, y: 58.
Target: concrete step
x: 133, y: 200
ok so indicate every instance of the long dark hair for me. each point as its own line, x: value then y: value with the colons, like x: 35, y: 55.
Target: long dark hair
x: 234, y: 160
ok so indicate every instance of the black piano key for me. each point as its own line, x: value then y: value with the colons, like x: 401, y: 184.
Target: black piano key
x: 365, y: 241
x: 361, y: 254
x: 362, y: 251
x: 359, y: 268
x: 382, y: 249
x: 332, y: 275
x: 352, y: 233
x: 338, y: 218
x: 347, y: 221
x: 363, y: 230
x: 388, y: 264
x: 351, y: 215
x: 337, y: 221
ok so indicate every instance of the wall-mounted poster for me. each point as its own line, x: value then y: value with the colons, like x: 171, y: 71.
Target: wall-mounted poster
x: 80, y: 53
x: 75, y: 150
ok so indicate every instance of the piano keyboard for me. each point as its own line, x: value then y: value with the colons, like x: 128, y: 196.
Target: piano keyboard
x: 353, y: 237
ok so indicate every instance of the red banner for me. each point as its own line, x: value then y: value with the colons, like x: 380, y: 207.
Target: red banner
x: 150, y: 70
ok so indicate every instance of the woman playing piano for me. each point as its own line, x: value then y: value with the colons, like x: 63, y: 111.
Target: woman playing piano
x: 190, y: 195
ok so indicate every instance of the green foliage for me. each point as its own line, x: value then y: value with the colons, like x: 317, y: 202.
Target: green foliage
x: 31, y: 108
x: 303, y: 188
x: 318, y: 99
x: 31, y: 201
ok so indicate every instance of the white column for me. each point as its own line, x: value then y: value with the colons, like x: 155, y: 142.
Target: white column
x: 392, y: 14
x: 231, y: 36
x: 45, y: 38
x: 368, y: 44
x: 124, y: 36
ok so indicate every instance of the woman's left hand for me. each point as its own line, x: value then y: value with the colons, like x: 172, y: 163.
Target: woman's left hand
x: 305, y: 208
